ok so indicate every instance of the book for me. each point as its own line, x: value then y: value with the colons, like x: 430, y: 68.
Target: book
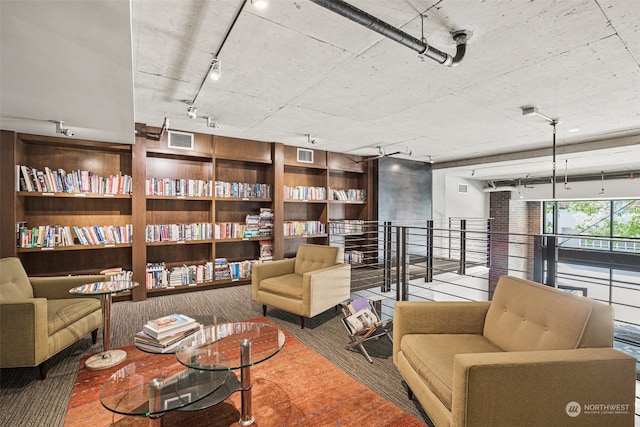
x: 141, y: 337
x: 175, y: 342
x: 165, y: 326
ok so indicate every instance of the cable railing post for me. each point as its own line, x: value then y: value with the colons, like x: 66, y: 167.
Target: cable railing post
x: 429, y: 275
x: 386, y: 285
x: 488, y: 242
x: 551, y: 256
x: 463, y: 247
x: 399, y: 290
x: 538, y: 259
x: 404, y: 273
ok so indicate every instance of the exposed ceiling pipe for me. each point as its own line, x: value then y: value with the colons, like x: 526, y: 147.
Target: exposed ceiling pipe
x: 363, y: 18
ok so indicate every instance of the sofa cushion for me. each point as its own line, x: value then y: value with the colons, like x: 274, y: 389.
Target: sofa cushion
x: 289, y: 285
x: 63, y: 312
x: 314, y: 257
x: 431, y: 356
x: 526, y: 316
x: 15, y: 283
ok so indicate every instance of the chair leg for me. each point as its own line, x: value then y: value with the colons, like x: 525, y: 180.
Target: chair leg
x: 409, y: 393
x: 301, y: 322
x: 264, y: 310
x: 43, y: 367
x: 94, y: 336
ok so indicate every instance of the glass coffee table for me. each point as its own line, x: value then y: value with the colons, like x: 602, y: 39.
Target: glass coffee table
x: 153, y: 389
x: 242, y: 345
x: 107, y: 358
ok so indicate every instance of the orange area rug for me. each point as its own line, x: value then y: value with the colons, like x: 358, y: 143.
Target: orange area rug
x: 296, y: 387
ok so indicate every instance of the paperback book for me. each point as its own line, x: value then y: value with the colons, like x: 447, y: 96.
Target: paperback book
x: 168, y: 325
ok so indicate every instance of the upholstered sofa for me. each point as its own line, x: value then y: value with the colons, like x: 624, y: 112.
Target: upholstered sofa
x: 38, y: 317
x: 533, y: 356
x: 307, y: 285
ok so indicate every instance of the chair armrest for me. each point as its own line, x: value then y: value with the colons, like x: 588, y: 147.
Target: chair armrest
x: 535, y: 387
x: 23, y: 332
x: 57, y: 287
x: 262, y: 271
x: 320, y: 286
x: 425, y: 317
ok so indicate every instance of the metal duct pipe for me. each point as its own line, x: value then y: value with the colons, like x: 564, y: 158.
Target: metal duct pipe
x: 363, y: 18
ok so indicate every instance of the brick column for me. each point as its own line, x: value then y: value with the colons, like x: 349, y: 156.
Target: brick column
x: 499, y: 239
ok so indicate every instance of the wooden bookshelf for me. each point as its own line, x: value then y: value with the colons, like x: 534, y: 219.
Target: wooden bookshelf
x: 213, y: 158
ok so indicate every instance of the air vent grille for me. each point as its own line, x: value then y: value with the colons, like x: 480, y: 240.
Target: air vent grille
x: 181, y: 140
x: 462, y: 188
x: 305, y: 156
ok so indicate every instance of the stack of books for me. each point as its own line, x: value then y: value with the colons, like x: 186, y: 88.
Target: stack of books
x: 166, y: 333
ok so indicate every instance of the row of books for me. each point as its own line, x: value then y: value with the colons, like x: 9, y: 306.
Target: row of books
x: 167, y: 333
x: 353, y: 194
x: 76, y: 181
x: 48, y: 236
x: 159, y: 276
x: 178, y: 232
x: 303, y: 228
x: 225, y: 270
x: 354, y: 257
x: 178, y: 187
x: 305, y: 193
x: 242, y: 190
x: 346, y: 226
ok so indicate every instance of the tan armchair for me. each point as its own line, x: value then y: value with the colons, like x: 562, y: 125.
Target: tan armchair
x: 38, y: 317
x: 533, y: 356
x: 312, y: 282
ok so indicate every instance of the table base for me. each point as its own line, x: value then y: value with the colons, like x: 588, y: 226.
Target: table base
x: 105, y: 359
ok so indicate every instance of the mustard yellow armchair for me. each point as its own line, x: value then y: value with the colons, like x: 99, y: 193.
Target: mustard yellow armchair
x: 38, y: 317
x: 307, y: 285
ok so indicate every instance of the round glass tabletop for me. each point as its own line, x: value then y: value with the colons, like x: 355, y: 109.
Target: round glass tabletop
x: 232, y: 340
x: 149, y: 389
x: 102, y: 288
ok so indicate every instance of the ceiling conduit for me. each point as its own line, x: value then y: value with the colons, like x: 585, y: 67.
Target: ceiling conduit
x: 379, y: 26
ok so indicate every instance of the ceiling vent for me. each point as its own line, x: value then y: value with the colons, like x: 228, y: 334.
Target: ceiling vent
x: 305, y: 156
x: 181, y: 140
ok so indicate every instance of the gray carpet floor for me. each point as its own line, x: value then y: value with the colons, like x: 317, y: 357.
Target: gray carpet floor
x: 25, y: 400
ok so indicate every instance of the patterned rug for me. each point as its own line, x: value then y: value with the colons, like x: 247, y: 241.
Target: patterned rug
x: 296, y: 387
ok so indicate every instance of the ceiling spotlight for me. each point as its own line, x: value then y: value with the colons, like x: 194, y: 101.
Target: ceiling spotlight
x: 215, y: 69
x: 211, y: 123
x: 60, y: 129
x: 192, y: 112
x: 311, y: 141
x: 260, y: 4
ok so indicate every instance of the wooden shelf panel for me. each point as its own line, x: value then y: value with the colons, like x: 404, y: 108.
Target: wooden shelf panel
x: 74, y: 248
x: 73, y: 195
x: 181, y: 242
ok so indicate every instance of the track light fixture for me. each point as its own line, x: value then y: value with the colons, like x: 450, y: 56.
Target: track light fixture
x: 211, y: 123
x: 260, y: 4
x: 192, y: 111
x: 60, y: 129
x: 214, y: 74
x: 310, y: 140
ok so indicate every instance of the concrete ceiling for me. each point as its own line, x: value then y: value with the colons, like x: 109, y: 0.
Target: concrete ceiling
x: 296, y: 68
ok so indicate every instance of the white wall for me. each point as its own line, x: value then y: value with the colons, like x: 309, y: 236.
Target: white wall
x: 448, y: 202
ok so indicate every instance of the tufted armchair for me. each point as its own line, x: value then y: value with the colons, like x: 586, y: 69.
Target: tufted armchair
x: 38, y: 317
x: 312, y: 282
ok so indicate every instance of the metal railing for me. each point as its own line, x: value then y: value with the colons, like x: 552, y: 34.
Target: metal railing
x: 394, y: 261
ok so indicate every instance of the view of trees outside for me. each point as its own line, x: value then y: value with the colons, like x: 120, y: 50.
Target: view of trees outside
x: 596, y: 218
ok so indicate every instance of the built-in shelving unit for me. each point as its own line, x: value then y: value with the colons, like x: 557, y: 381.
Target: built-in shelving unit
x: 176, y: 202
